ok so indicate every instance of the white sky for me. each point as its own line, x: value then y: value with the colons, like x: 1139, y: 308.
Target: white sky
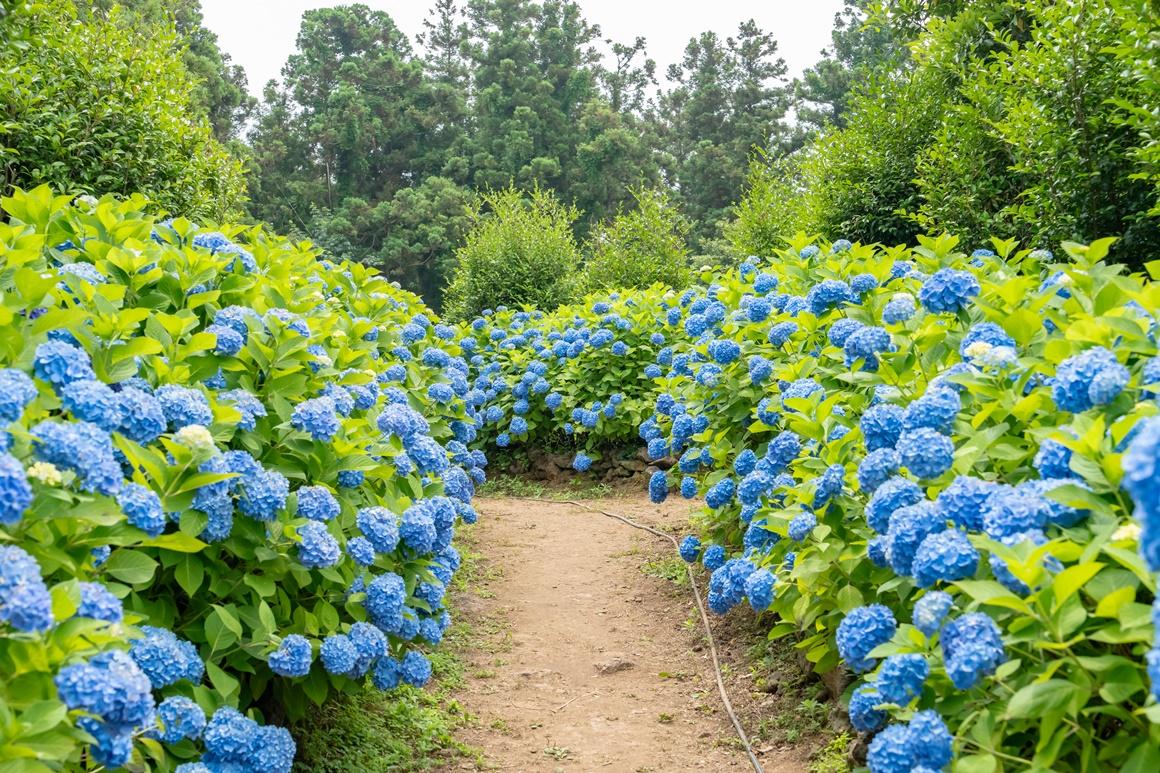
x: 259, y: 34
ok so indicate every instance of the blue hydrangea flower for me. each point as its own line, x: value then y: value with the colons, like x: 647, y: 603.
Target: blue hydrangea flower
x: 901, y: 677
x: 720, y: 494
x: 318, y: 417
x: 361, y: 551
x: 948, y: 290
x: 1142, y: 481
x: 881, y: 426
x: 964, y: 501
x: 317, y: 503
x: 899, y: 309
x: 166, y: 659
x: 988, y: 333
x: 228, y: 342
x: 936, y: 410
x: 142, y: 417
x: 658, y: 487
x: 864, y: 715
x: 142, y: 508
x: 760, y: 369
x: 860, y: 631
x: 841, y: 330
x: 930, y: 610
x: 263, y: 495
x: 92, y: 401
x: 582, y: 462
x: 1010, y: 511
x: 1094, y: 377
x: 829, y: 485
x: 109, y: 685
x: 249, y: 406
x: 802, y: 525
x: 891, y: 751
x: 15, y: 491
x: 781, y: 332
x: 1057, y: 512
x: 17, y: 390
x: 84, y: 448
x: 944, y: 556
x: 416, y: 668
x: 60, y: 363
x: 972, y: 648
x: 385, y: 597
x: 727, y: 585
x: 759, y: 589
x: 338, y: 654
x: 866, y: 344
x: 99, y: 604
x: 1053, y: 460
x: 926, y: 453
x: 293, y: 656
x: 381, y: 527
x: 690, y: 547
x: 183, y: 406
x: 318, y: 549
x: 229, y: 735
x: 828, y: 294
x: 688, y: 487
x: 25, y: 603
x: 180, y: 718
x: 931, y: 741
x: 890, y: 496
x: 350, y: 478
x: 877, y: 467
x: 909, y: 526
x: 417, y: 530
x: 714, y: 557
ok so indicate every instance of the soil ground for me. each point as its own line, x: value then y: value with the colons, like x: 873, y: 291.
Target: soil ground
x: 577, y: 660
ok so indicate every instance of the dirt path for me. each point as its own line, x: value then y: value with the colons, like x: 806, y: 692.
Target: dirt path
x: 577, y: 659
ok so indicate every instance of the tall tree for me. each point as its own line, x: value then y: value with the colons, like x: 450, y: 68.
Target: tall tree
x: 443, y: 40
x: 729, y: 99
x: 350, y: 147
x: 221, y: 93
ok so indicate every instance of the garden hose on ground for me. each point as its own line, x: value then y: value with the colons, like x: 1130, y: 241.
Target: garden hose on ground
x: 700, y: 608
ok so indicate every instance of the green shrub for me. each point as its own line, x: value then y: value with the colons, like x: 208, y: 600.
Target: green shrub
x: 855, y: 183
x: 519, y: 251
x: 193, y: 422
x: 769, y: 208
x: 640, y: 247
x: 95, y: 106
x: 1033, y: 145
x: 1010, y: 397
x: 1137, y: 50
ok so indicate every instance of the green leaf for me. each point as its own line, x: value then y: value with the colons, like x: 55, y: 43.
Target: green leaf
x: 975, y: 763
x: 1039, y: 698
x: 179, y: 542
x: 1070, y: 580
x: 225, y: 684
x: 221, y: 629
x: 131, y: 566
x: 66, y: 599
x: 189, y: 573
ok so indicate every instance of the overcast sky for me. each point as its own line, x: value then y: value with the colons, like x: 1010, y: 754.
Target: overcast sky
x: 259, y: 34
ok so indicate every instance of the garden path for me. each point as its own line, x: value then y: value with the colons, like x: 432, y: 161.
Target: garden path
x: 577, y: 660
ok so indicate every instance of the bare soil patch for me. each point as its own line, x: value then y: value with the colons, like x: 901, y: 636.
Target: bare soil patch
x: 578, y: 660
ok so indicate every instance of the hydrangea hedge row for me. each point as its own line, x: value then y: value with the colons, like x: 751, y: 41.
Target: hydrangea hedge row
x: 934, y: 469
x: 230, y: 475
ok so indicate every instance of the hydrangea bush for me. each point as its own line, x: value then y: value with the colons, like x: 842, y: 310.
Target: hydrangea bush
x: 937, y: 471
x: 230, y: 476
